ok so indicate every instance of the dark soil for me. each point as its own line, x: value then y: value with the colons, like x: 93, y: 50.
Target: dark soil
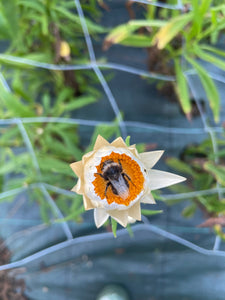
x: 10, y: 287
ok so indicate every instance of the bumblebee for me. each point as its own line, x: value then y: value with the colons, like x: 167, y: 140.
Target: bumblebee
x: 116, y: 178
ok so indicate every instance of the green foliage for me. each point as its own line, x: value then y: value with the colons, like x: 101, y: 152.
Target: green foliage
x: 182, y: 89
x: 147, y: 212
x: 114, y: 226
x: 172, y: 36
x: 204, y: 172
x: 36, y: 30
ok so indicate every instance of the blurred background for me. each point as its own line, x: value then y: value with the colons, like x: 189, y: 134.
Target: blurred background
x: 151, y: 70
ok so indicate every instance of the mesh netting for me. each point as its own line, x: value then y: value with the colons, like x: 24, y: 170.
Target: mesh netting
x: 60, y: 260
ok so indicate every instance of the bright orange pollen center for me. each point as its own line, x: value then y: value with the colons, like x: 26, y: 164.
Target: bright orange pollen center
x: 131, y: 168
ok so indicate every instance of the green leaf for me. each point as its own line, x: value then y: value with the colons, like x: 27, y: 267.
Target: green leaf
x: 9, y: 135
x: 199, y: 11
x: 130, y: 231
x: 171, y: 29
x: 44, y: 25
x: 137, y: 40
x: 44, y: 209
x: 35, y: 5
x: 117, y: 35
x: 123, y: 33
x: 136, y: 24
x: 15, y: 106
x: 46, y: 100
x: 189, y: 210
x: 220, y: 153
x: 114, y: 226
x: 92, y: 27
x: 10, y: 12
x: 73, y: 215
x: 212, y: 203
x: 209, y: 57
x: 15, y: 163
x: 217, y: 171
x: 127, y: 141
x: 147, y: 212
x: 209, y: 86
x: 63, y: 95
x: 213, y: 50
x: 180, y: 166
x: 54, y: 165
x: 182, y: 89
x: 80, y: 102
x: 7, y: 167
x: 5, y: 32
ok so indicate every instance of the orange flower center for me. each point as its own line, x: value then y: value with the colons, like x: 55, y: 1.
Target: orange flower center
x: 134, y: 179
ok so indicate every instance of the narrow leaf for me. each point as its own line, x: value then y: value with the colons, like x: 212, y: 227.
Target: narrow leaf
x: 209, y: 86
x: 210, y: 58
x: 147, y: 212
x: 217, y: 171
x: 171, y: 29
x: 127, y: 141
x: 114, y: 227
x: 182, y: 89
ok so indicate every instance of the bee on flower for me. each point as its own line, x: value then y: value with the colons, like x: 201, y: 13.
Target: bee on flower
x: 115, y: 179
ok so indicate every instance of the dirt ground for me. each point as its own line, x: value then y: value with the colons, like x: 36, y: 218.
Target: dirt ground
x: 10, y: 287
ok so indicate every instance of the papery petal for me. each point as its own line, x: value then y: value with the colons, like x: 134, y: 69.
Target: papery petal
x: 77, y: 168
x: 100, y: 216
x: 150, y: 158
x: 78, y: 188
x: 134, y: 151
x: 100, y: 142
x: 87, y: 156
x: 121, y: 216
x: 119, y: 142
x: 160, y: 179
x: 87, y: 203
x: 148, y: 199
x: 135, y: 211
x: 131, y: 220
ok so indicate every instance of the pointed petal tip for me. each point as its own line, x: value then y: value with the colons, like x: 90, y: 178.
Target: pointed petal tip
x: 74, y: 189
x: 120, y: 216
x: 161, y: 179
x: 135, y: 211
x: 100, y: 142
x: 77, y: 167
x: 151, y: 158
x: 148, y: 199
x: 100, y: 216
x: 119, y: 142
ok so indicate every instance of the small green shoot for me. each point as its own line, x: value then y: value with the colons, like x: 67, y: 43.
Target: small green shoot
x: 114, y: 227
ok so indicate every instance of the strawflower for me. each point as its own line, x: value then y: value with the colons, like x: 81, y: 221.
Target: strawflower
x: 115, y: 179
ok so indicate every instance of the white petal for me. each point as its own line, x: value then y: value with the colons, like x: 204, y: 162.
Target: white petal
x: 150, y: 158
x: 119, y: 142
x: 135, y: 211
x: 148, y: 199
x: 160, y: 179
x: 121, y: 216
x: 131, y: 220
x: 134, y: 151
x: 87, y: 203
x: 100, y: 142
x: 77, y: 167
x: 78, y: 188
x: 100, y: 216
x: 87, y: 156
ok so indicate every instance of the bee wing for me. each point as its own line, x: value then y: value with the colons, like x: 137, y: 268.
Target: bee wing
x: 121, y: 187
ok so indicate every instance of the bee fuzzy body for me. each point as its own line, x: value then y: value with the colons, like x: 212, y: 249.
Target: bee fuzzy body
x: 116, y: 178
